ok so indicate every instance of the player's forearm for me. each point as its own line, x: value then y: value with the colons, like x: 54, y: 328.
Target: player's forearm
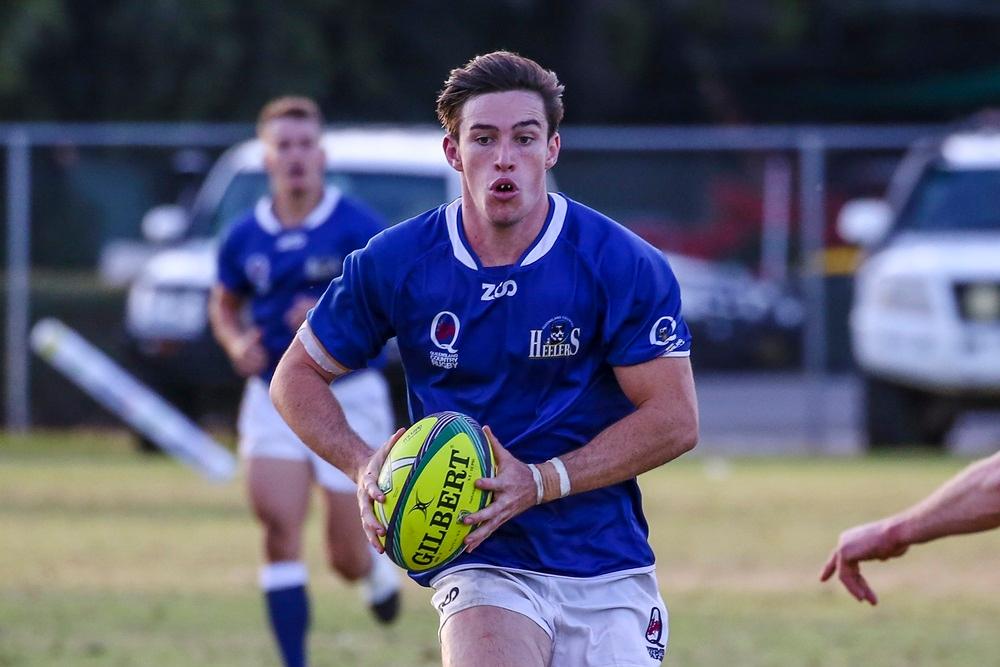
x: 224, y: 317
x: 649, y: 437
x: 303, y: 398
x: 968, y: 503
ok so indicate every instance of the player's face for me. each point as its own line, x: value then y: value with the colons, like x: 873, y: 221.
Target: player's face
x: 293, y: 156
x: 503, y: 153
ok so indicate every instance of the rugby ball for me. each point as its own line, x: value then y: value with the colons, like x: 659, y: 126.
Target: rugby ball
x: 428, y: 480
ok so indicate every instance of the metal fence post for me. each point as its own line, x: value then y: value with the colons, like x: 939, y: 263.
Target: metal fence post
x: 812, y: 178
x: 18, y: 267
x: 776, y: 217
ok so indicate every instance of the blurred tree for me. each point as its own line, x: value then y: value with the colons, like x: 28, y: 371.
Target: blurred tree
x: 630, y: 61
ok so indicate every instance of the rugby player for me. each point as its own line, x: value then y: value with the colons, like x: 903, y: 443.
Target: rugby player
x: 557, y: 328
x: 277, y: 261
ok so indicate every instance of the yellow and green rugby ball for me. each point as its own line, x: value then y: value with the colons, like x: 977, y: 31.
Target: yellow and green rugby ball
x: 428, y: 480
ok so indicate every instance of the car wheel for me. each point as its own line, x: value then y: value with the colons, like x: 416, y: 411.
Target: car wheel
x: 897, y: 416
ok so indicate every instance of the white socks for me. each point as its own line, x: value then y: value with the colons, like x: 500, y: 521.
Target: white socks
x: 283, y: 574
x: 382, y: 581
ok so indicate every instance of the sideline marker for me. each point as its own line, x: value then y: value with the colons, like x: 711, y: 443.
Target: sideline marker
x: 138, y: 405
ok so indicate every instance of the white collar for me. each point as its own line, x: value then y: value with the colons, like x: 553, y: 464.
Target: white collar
x: 264, y: 212
x: 542, y: 245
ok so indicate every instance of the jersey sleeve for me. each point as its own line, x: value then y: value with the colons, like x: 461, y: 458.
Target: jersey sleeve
x: 229, y: 272
x: 351, y: 320
x: 644, y: 319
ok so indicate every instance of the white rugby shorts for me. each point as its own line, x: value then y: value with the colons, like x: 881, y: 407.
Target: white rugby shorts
x: 613, y: 620
x: 364, y: 396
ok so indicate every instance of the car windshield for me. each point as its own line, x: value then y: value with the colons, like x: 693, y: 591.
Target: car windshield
x: 949, y: 199
x: 395, y: 196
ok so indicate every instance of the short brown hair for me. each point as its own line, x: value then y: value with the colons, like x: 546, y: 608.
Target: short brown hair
x: 498, y: 72
x: 289, y: 106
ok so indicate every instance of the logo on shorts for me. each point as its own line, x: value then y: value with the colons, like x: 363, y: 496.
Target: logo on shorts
x: 444, y: 333
x: 654, y: 633
x: 449, y: 598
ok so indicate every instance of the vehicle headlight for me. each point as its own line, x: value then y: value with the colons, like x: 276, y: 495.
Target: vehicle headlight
x: 164, y: 313
x: 905, y: 293
x: 980, y: 302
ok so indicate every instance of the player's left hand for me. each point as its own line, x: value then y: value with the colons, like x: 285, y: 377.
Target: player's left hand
x: 513, y: 490
x: 296, y: 313
x: 869, y: 541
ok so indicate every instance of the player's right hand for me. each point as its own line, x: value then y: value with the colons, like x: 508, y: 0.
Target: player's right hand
x: 247, y: 354
x: 368, y: 492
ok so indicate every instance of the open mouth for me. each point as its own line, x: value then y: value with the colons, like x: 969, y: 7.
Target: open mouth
x: 504, y: 187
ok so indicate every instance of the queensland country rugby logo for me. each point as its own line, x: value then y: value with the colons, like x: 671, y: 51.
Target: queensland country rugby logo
x: 444, y: 334
x: 654, y: 634
x: 662, y: 334
x: 557, y: 338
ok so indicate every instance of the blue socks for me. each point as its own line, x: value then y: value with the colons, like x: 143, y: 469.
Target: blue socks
x: 284, y: 586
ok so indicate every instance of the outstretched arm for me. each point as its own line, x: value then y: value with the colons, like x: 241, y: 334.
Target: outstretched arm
x: 663, y: 426
x: 967, y: 503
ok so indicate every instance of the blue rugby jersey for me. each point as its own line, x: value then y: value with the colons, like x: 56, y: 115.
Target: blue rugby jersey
x: 527, y: 349
x: 272, y: 265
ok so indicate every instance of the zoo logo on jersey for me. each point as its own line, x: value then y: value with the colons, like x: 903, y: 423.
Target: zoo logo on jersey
x: 662, y: 334
x: 493, y: 291
x: 557, y: 338
x: 444, y: 333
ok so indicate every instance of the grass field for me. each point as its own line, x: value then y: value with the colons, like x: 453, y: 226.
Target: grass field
x: 110, y: 558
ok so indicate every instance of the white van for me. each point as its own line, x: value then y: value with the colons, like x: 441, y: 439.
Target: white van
x: 925, y: 323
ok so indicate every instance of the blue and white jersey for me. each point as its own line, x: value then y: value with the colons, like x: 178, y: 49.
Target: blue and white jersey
x: 528, y: 349
x: 272, y: 265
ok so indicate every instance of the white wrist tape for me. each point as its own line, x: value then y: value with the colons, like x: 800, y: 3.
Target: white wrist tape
x: 537, y: 476
x: 563, y: 476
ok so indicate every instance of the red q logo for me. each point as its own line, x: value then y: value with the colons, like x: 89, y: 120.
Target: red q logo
x: 444, y: 331
x: 654, y: 631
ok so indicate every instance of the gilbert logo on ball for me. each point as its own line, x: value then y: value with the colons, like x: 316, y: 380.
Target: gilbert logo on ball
x: 428, y: 480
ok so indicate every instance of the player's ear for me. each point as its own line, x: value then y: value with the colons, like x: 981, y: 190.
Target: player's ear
x: 450, y: 145
x: 552, y: 151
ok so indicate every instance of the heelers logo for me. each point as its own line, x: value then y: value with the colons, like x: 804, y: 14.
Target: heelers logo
x: 444, y: 333
x: 557, y: 338
x: 323, y: 268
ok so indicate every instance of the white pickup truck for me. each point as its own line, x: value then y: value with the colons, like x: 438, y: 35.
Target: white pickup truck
x: 399, y: 172
x: 925, y: 323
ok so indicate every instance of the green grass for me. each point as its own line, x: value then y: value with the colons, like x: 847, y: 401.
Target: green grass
x: 111, y: 558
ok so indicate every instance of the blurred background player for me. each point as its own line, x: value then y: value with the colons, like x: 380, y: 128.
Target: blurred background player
x: 561, y: 330
x: 277, y: 261
x: 967, y: 503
